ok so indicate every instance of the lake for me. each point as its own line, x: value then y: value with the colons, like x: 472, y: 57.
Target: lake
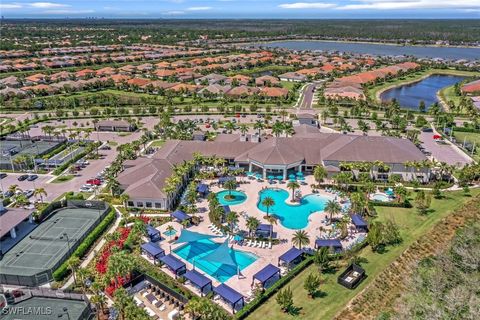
x: 378, y: 49
x: 410, y: 95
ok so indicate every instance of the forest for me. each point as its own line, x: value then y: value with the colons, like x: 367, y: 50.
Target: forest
x: 163, y: 31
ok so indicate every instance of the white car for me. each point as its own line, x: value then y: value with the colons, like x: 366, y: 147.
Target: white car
x: 86, y: 189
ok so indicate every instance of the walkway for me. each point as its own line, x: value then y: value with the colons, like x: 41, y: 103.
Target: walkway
x: 97, y: 248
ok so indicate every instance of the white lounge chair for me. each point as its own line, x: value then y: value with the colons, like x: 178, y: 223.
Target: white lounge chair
x: 270, y: 245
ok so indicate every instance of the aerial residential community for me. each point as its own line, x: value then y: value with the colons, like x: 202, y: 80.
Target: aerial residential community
x: 208, y: 160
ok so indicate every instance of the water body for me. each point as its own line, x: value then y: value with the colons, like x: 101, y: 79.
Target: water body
x: 410, y: 95
x: 379, y: 49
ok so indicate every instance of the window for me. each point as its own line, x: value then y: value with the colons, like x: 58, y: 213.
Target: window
x: 140, y: 204
x: 148, y: 204
x: 130, y: 204
x: 158, y: 205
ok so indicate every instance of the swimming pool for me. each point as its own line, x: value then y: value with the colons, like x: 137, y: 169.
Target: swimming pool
x: 194, y: 251
x: 292, y: 216
x: 239, y: 197
x: 382, y: 197
x: 170, y: 233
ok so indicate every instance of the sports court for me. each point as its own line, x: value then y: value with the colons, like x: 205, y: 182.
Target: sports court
x: 32, y: 260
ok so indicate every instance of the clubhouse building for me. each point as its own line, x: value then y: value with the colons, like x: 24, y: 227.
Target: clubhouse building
x: 143, y: 179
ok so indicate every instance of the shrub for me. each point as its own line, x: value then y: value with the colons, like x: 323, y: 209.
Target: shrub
x: 62, y: 271
x: 404, y: 204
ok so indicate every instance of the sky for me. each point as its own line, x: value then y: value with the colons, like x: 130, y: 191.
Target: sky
x: 254, y: 9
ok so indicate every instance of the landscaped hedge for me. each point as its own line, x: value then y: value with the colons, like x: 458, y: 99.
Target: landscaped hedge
x: 393, y: 204
x: 58, y: 149
x: 64, y: 166
x: 82, y: 249
x: 255, y: 303
x: 464, y: 129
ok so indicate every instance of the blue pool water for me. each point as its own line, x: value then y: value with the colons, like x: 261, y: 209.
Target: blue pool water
x: 169, y: 233
x: 194, y: 251
x: 240, y: 197
x: 292, y: 216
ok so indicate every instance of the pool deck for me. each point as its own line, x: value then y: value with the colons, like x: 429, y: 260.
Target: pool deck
x: 265, y: 256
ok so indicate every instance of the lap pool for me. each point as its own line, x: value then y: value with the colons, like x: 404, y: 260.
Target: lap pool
x: 292, y: 216
x: 194, y: 251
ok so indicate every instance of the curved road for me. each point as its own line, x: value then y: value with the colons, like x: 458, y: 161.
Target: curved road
x: 307, y: 98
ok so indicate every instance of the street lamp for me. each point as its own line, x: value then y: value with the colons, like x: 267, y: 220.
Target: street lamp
x: 68, y: 240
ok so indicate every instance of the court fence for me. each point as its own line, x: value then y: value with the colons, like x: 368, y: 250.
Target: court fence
x: 46, y: 275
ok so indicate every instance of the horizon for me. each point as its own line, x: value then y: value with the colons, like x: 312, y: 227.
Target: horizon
x: 246, y: 9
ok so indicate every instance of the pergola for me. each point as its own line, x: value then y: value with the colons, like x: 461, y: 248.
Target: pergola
x: 230, y: 296
x: 359, y: 223
x: 269, y: 272
x: 174, y: 264
x: 293, y: 255
x: 152, y: 250
x: 180, y: 216
x: 334, y: 244
x: 200, y: 281
x: 153, y: 233
x: 202, y: 188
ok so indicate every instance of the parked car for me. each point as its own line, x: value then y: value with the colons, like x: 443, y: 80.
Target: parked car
x: 94, y: 182
x: 105, y: 147
x: 7, y: 194
x: 86, y: 188
x: 32, y: 177
x: 28, y: 193
x: 23, y: 177
x: 3, y: 175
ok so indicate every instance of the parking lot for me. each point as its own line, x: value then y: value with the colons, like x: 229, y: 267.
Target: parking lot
x: 443, y: 152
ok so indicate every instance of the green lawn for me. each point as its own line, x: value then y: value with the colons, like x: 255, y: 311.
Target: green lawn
x: 334, y: 296
x: 157, y: 143
x: 471, y: 137
x: 62, y: 179
x: 448, y: 94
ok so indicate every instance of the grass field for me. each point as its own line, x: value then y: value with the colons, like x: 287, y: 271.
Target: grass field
x: 471, y: 137
x: 157, y: 143
x: 448, y: 94
x: 62, y: 179
x: 333, y: 296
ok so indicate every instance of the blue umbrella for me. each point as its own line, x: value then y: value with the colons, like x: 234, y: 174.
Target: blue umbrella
x: 271, y: 177
x: 249, y: 173
x: 258, y: 175
x: 292, y: 180
x: 299, y: 174
x: 279, y: 178
x: 291, y: 176
x: 238, y: 237
x: 301, y: 178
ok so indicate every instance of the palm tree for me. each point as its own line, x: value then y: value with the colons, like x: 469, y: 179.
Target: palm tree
x: 319, y: 173
x: 232, y: 219
x: 332, y: 207
x: 271, y: 220
x: 119, y: 265
x: 73, y: 264
x: 14, y: 188
x: 170, y: 230
x: 277, y: 129
x: 99, y: 300
x: 252, y: 224
x: 293, y: 185
x: 40, y: 192
x: 230, y: 185
x: 243, y: 128
x: 124, y: 198
x: 268, y: 202
x: 259, y: 125
x: 300, y: 238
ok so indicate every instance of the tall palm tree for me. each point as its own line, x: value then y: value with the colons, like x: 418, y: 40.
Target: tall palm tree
x: 230, y: 185
x: 293, y: 185
x: 268, y: 202
x: 252, y: 224
x: 124, y: 198
x: 99, y: 300
x: 271, y: 220
x: 259, y: 125
x: 332, y: 207
x: 319, y: 173
x: 119, y: 265
x: 232, y: 219
x: 73, y: 264
x: 40, y: 192
x: 300, y: 238
x: 170, y: 230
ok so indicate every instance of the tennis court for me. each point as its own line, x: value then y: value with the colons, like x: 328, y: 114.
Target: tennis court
x: 34, y: 258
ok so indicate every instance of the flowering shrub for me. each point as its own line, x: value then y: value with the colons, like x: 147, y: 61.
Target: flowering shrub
x: 102, y: 262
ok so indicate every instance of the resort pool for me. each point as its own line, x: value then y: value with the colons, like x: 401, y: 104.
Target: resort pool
x: 239, y: 197
x: 380, y: 197
x: 194, y: 251
x: 292, y: 216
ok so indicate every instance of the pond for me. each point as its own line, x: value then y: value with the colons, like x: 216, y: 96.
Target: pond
x: 410, y: 95
x: 378, y: 49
